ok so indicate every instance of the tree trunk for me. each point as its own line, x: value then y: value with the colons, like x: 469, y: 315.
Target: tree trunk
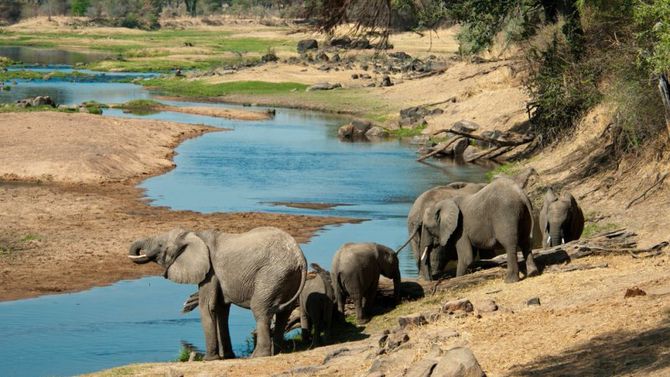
x: 664, y: 88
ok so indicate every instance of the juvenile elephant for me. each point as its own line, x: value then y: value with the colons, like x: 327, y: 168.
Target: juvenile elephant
x: 317, y: 303
x: 425, y: 200
x: 561, y: 219
x: 499, y: 215
x: 355, y: 273
x: 263, y: 270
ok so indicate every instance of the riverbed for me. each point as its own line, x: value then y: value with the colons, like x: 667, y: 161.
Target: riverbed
x: 294, y: 157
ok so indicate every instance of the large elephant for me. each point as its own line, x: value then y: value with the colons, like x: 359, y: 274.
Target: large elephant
x: 355, y: 273
x: 263, y: 270
x: 415, y: 216
x: 317, y: 303
x: 499, y: 215
x: 561, y: 219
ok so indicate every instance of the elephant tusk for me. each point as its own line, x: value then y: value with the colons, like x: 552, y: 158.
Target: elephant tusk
x: 137, y: 256
x: 549, y: 240
x: 425, y: 251
x: 562, y: 240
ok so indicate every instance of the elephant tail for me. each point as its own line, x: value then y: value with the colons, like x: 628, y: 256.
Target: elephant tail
x: 529, y: 207
x: 303, y: 279
x: 191, y: 302
x: 411, y: 237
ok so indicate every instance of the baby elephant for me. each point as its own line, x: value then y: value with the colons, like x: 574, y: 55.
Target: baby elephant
x: 561, y: 219
x: 356, y: 270
x: 317, y: 302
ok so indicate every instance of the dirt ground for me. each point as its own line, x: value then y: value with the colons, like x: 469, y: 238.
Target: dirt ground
x: 70, y: 207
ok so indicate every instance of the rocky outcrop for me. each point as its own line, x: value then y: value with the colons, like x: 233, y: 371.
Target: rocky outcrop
x: 307, y: 44
x: 324, y: 86
x: 36, y: 101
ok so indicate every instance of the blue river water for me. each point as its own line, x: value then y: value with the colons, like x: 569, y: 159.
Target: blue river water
x: 295, y: 157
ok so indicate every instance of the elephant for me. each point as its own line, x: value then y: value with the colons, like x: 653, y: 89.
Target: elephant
x: 561, y: 219
x: 497, y: 216
x: 355, y: 273
x: 263, y: 270
x: 317, y: 303
x: 425, y: 200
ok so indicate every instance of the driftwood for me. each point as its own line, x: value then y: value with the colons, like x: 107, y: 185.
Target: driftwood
x: 439, y: 150
x: 664, y: 88
x: 525, y: 139
x: 658, y: 182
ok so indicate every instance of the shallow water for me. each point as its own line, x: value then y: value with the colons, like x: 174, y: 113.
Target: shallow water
x: 294, y: 157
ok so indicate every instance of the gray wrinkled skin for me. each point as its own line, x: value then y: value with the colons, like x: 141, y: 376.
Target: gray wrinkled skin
x: 263, y: 270
x: 355, y: 273
x: 497, y: 216
x: 317, y: 303
x: 415, y: 218
x: 561, y: 219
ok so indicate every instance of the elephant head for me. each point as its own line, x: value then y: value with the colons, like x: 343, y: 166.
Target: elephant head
x: 561, y: 219
x: 389, y: 266
x: 439, y: 222
x: 183, y: 255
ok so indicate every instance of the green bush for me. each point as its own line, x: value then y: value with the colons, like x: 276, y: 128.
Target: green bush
x: 80, y: 7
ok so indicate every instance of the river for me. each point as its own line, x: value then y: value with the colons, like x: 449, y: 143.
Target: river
x: 295, y: 157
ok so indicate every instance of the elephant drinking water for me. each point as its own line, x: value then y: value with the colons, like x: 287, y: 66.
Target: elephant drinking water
x: 263, y: 270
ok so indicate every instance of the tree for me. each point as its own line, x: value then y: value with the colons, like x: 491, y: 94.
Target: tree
x: 191, y: 7
x: 10, y: 10
x: 80, y: 7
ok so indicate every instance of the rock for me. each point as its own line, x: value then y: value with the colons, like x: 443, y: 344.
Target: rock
x: 395, y: 340
x: 465, y: 126
x: 36, y: 101
x: 173, y: 373
x: 336, y: 353
x: 269, y: 57
x: 355, y: 76
x: 345, y: 132
x: 376, y: 132
x: 365, y: 66
x: 458, y: 362
x: 422, y: 368
x: 487, y: 306
x: 376, y: 374
x: 463, y: 305
x: 401, y: 55
x: 412, y: 320
x: 634, y: 292
x: 365, y: 76
x: 419, y: 140
x: 533, y: 301
x: 386, y: 81
x: 360, y: 44
x: 361, y: 125
x: 322, y: 56
x: 324, y: 86
x: 335, y: 58
x: 343, y: 42
x: 307, y: 44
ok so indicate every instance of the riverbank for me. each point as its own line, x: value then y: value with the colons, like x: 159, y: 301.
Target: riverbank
x: 69, y: 192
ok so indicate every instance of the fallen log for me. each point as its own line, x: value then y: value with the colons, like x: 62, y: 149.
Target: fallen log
x: 439, y: 150
x: 501, y: 143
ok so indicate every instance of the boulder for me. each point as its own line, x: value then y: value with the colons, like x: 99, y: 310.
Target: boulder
x: 36, y: 101
x: 307, y: 44
x: 487, y: 306
x: 463, y: 305
x: 465, y: 126
x: 458, y: 362
x: 343, y: 42
x: 400, y: 55
x: 422, y: 368
x: 269, y: 57
x: 322, y: 56
x: 535, y: 301
x: 335, y: 58
x: 360, y: 44
x: 412, y: 320
x: 386, y: 81
x: 376, y: 132
x: 324, y: 86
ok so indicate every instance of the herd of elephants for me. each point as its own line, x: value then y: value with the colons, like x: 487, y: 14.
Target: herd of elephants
x: 264, y: 269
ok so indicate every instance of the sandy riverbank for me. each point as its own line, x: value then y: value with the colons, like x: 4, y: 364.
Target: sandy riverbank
x: 70, y: 207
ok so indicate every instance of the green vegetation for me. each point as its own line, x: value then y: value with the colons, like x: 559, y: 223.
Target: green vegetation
x: 185, y: 354
x: 31, y: 237
x: 591, y: 228
x: 509, y: 169
x: 198, y: 88
x: 33, y: 75
x: 407, y: 132
x: 141, y: 106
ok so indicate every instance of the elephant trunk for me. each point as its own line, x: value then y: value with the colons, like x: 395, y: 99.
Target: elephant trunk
x: 136, y: 252
x: 556, y: 235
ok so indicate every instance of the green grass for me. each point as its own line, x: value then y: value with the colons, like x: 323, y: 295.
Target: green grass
x: 591, y: 229
x: 407, y: 132
x: 13, y: 108
x: 509, y: 169
x: 185, y: 353
x: 32, y: 75
x: 31, y: 237
x: 140, y: 106
x: 197, y: 88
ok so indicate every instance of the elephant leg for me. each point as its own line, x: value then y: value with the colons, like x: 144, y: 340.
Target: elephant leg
x: 263, y: 343
x: 225, y: 345
x: 305, y: 327
x: 465, y: 256
x: 327, y: 322
x: 207, y: 301
x: 281, y: 319
x: 512, y: 262
x: 360, y: 312
x: 527, y: 251
x: 318, y: 324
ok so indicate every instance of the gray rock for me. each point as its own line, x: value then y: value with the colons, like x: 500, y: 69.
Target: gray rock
x: 343, y: 42
x: 400, y: 55
x: 322, y: 56
x: 386, y: 81
x: 335, y: 58
x: 336, y: 353
x: 463, y: 305
x: 487, y: 306
x: 307, y: 44
x: 458, y: 362
x: 324, y: 86
x: 412, y: 320
x: 376, y: 132
x: 419, y: 140
x: 533, y: 301
x: 360, y: 44
x: 465, y: 126
x: 422, y: 368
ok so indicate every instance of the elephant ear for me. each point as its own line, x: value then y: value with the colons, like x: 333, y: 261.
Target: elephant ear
x: 192, y: 263
x: 448, y: 219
